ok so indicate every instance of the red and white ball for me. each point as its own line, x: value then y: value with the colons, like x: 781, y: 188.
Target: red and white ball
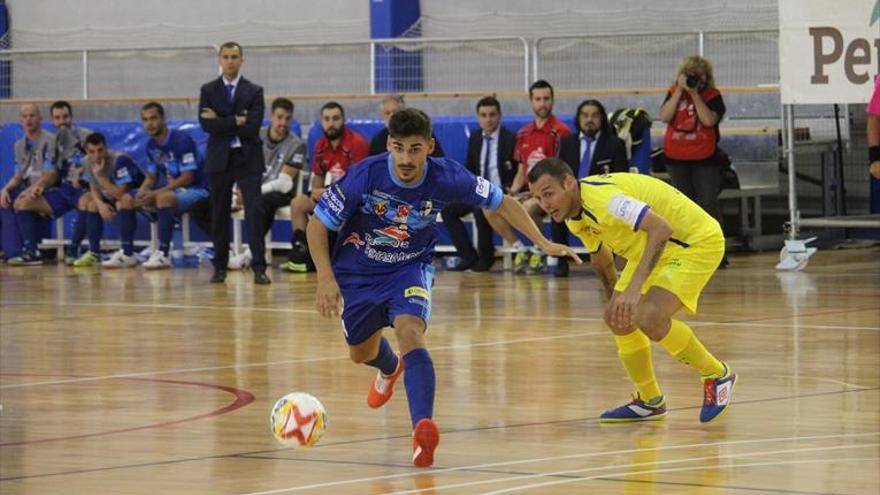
x: 298, y: 419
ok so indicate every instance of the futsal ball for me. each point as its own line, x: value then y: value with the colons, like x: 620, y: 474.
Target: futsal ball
x: 298, y: 420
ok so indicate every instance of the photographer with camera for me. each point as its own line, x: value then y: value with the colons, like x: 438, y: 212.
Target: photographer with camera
x: 692, y: 110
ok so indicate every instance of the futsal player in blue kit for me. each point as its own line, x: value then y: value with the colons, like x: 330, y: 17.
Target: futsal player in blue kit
x: 385, y: 209
x: 174, y: 183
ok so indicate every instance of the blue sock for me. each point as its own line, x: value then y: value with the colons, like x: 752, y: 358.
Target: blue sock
x: 166, y: 229
x: 127, y: 226
x: 386, y: 360
x: 94, y: 231
x: 27, y: 221
x: 79, y: 231
x: 419, y: 381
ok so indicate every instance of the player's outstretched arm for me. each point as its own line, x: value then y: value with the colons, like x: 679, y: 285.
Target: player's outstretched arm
x: 512, y: 211
x: 327, y: 294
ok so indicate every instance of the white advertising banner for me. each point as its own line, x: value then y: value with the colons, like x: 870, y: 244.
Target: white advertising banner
x: 829, y: 50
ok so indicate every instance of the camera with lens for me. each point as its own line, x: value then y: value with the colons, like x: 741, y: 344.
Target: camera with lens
x: 692, y: 80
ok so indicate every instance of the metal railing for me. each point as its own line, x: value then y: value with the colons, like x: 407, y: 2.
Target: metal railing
x: 429, y: 65
x: 369, y: 67
x: 741, y: 58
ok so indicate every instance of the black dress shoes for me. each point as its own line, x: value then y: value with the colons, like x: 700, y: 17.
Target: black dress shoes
x: 219, y: 276
x: 561, y: 268
x: 484, y: 264
x: 260, y: 278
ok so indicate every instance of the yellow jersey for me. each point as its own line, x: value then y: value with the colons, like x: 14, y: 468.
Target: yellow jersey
x: 613, y: 206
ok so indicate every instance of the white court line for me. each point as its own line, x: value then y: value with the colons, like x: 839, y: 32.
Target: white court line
x: 678, y: 470
x: 829, y: 380
x: 560, y: 458
x: 523, y: 477
x: 484, y: 317
x: 289, y: 361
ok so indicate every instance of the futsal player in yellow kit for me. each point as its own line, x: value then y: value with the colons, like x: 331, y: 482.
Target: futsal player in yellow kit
x: 672, y: 248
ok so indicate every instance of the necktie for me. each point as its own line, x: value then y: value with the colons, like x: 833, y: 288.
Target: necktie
x: 584, y: 168
x: 487, y: 145
x: 230, y: 88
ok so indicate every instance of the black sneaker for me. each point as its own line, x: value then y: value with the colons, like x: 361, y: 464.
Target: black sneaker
x: 26, y: 259
x: 299, y: 259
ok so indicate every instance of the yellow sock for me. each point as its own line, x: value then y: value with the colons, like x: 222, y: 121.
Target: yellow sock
x: 684, y: 346
x: 634, y: 351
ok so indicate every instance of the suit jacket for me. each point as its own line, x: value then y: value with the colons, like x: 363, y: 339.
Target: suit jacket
x: 379, y: 144
x: 506, y: 164
x: 247, y: 100
x: 610, y: 153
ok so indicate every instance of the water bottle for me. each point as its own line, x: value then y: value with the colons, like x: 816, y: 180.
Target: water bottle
x: 177, y: 247
x: 552, y: 264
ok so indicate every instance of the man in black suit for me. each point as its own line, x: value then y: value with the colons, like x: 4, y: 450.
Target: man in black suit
x: 379, y: 142
x: 231, y: 112
x: 490, y: 155
x: 594, y: 149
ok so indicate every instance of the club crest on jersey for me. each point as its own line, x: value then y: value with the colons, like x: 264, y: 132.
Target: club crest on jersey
x: 402, y: 213
x: 427, y: 206
x: 355, y: 240
x: 390, y: 236
x: 380, y: 208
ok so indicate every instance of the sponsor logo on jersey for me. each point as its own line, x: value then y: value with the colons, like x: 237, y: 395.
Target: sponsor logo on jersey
x: 427, y: 206
x: 416, y: 291
x: 355, y: 240
x: 390, y: 236
x: 482, y: 187
x: 402, y: 213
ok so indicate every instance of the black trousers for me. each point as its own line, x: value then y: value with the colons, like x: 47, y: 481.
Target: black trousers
x: 700, y: 181
x: 220, y: 184
x: 272, y: 201
x: 452, y: 215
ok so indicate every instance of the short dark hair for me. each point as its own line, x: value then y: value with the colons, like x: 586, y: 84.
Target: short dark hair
x: 591, y: 103
x: 540, y: 84
x: 489, y: 101
x: 553, y: 167
x: 154, y: 105
x: 410, y: 122
x: 282, y: 103
x: 231, y: 44
x: 59, y: 105
x: 96, y: 139
x: 332, y: 104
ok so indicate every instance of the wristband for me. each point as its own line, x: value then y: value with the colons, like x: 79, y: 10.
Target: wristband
x: 873, y: 154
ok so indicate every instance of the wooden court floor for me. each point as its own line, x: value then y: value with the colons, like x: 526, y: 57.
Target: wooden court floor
x: 133, y: 382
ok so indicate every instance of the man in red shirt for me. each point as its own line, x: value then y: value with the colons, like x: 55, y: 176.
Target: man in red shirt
x: 337, y: 150
x: 535, y: 141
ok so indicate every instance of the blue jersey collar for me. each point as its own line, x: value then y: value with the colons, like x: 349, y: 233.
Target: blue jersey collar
x: 403, y: 184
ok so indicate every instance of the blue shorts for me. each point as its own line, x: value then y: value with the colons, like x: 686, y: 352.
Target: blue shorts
x: 371, y: 303
x: 63, y: 198
x: 187, y: 197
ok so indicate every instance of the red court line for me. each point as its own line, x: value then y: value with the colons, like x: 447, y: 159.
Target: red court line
x: 242, y: 398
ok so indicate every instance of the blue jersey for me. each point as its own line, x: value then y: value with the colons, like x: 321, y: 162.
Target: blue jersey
x: 174, y: 157
x: 383, y: 222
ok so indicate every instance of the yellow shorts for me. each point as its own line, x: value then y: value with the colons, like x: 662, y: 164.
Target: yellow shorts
x: 684, y: 271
